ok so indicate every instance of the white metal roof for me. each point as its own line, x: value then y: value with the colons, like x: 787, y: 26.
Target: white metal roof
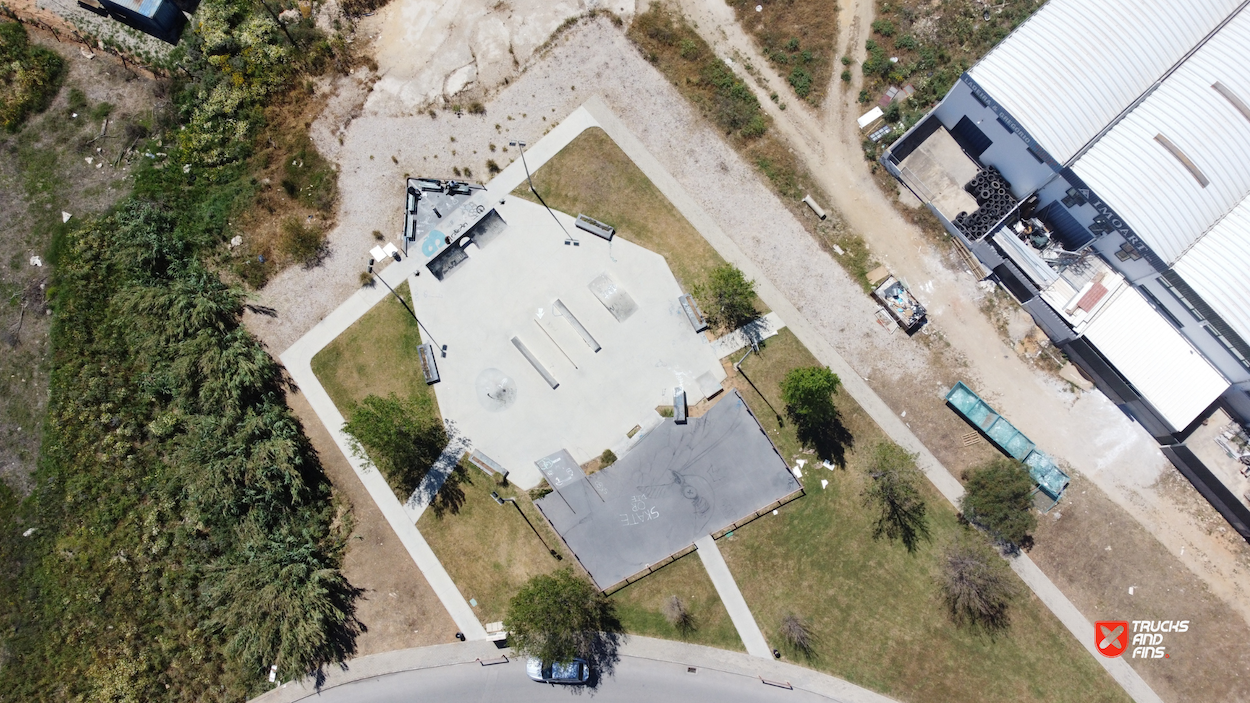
x: 1149, y: 185
x: 1161, y: 364
x: 1074, y: 65
x: 1218, y: 268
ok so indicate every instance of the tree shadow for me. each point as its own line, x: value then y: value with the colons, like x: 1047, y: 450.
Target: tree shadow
x: 450, y: 497
x: 602, y: 651
x: 830, y: 439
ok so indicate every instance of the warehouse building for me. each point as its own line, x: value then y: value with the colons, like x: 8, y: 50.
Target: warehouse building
x: 1096, y: 163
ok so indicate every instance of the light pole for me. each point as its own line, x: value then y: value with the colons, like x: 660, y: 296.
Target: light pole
x: 568, y: 238
x: 378, y: 277
x: 501, y: 501
x: 755, y: 347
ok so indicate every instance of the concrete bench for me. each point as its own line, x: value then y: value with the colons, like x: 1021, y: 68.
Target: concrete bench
x: 693, y: 314
x: 486, y: 464
x: 595, y: 227
x: 428, y: 366
x: 679, y: 406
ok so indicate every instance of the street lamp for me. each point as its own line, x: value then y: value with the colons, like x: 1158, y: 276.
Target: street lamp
x: 568, y: 238
x: 501, y: 501
x: 755, y: 347
x: 378, y: 277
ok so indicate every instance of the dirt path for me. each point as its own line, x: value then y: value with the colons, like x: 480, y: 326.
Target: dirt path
x: 1086, y: 430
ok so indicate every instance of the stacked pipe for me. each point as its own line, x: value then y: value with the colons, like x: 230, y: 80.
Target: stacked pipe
x: 994, y: 198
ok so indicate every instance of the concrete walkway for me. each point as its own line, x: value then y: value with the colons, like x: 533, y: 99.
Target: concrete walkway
x: 858, y: 388
x: 661, y: 652
x: 758, y: 330
x: 729, y: 594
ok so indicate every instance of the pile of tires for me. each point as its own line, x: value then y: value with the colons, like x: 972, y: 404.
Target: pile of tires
x: 994, y: 198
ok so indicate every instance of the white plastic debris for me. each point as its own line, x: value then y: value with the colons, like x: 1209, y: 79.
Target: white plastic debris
x: 186, y: 168
x: 824, y: 482
x: 759, y: 8
x: 798, y: 473
x: 236, y: 241
x: 838, y: 249
x: 1130, y: 589
x: 774, y: 512
x: 801, y: 462
x: 65, y: 216
x: 904, y: 414
x: 827, y: 465
x: 89, y: 160
x: 29, y: 532
x: 36, y: 261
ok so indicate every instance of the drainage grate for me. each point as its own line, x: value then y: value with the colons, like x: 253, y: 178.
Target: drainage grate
x: 691, y: 670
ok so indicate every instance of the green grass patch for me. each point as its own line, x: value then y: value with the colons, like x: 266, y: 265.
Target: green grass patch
x: 487, y: 548
x: 377, y: 355
x: 875, y: 609
x: 641, y: 606
x: 30, y: 76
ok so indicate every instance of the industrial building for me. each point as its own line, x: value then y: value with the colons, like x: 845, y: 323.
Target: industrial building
x: 1096, y: 163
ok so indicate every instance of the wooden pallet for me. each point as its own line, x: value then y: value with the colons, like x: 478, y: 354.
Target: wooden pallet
x: 971, y: 438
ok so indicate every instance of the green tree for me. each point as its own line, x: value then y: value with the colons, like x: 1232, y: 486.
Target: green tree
x: 894, y: 492
x: 392, y: 434
x: 807, y: 392
x: 558, y: 616
x: 998, y: 498
x: 727, y: 298
x: 976, y: 584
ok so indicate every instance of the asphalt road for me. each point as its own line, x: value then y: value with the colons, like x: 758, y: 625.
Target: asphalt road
x: 634, y: 680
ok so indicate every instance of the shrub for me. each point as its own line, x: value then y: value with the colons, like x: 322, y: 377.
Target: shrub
x: 906, y: 41
x: 801, y: 81
x: 302, y: 242
x: 883, y: 27
x: 976, y: 585
x: 30, y: 76
x: 679, y: 616
x: 998, y: 498
x: 690, y: 50
x: 477, y: 108
x: 846, y: 76
x: 607, y: 458
x: 492, y: 167
x: 727, y: 298
x: 894, y: 492
x: 556, y: 617
x: 797, y: 634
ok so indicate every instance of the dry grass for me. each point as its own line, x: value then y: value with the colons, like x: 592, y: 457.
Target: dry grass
x: 641, y: 605
x: 377, y: 355
x: 874, y: 610
x: 795, y: 34
x: 782, y: 169
x: 593, y: 176
x: 487, y: 548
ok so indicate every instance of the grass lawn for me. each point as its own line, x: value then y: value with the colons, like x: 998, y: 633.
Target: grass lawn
x: 376, y: 355
x: 487, y: 548
x: 874, y: 608
x: 640, y: 605
x: 593, y: 176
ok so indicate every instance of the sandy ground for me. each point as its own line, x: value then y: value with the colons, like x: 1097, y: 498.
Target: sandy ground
x: 399, y: 608
x: 1084, y: 430
x: 377, y: 144
x: 430, y: 52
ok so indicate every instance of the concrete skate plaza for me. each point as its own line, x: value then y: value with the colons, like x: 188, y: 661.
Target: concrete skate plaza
x: 678, y: 484
x: 508, y: 289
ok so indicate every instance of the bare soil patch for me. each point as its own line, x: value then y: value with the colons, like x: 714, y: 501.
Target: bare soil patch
x: 399, y: 608
x: 1095, y: 552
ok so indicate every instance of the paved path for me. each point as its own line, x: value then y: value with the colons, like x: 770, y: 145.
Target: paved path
x: 858, y: 388
x: 649, y: 670
x: 729, y: 594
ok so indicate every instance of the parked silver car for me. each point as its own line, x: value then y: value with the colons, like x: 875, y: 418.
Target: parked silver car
x: 572, y: 672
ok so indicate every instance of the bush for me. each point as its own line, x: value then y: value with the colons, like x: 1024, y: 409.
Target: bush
x: 801, y: 81
x: 883, y: 27
x: 402, y: 438
x: 846, y: 76
x: 999, y: 498
x: 30, y: 76
x: 906, y: 41
x: 797, y: 634
x: 302, y: 242
x: 492, y: 167
x: 680, y: 617
x: 690, y: 50
x: 894, y: 492
x: 607, y: 458
x: 976, y: 584
x: 727, y: 298
x: 477, y: 108
x: 556, y: 617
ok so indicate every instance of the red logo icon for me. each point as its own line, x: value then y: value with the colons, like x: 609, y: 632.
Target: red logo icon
x: 1111, y: 637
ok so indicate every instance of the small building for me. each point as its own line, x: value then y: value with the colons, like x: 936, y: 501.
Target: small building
x: 163, y: 19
